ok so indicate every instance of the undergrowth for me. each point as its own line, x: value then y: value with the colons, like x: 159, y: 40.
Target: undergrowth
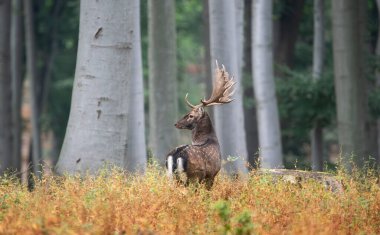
x: 116, y: 203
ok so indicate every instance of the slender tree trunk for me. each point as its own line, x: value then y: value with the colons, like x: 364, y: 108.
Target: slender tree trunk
x: 288, y: 32
x: 229, y: 119
x: 5, y: 88
x: 317, y: 148
x: 136, y: 153
x: 378, y: 80
x: 319, y: 39
x: 53, y: 51
x: 26, y: 134
x: 107, y: 64
x: 48, y: 69
x: 318, y: 57
x: 32, y: 75
x: 207, y: 60
x: 363, y: 86
x: 239, y: 14
x: 266, y: 102
x: 16, y: 68
x: 349, y: 80
x: 250, y: 119
x: 163, y: 104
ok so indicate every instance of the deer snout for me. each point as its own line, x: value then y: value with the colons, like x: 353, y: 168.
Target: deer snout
x: 179, y: 126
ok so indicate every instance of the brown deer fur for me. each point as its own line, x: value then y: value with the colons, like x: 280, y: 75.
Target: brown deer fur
x: 201, y: 161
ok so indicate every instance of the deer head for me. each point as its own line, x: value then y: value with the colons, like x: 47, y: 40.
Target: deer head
x: 221, y: 94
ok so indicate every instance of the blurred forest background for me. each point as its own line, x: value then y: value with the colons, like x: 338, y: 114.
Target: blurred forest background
x: 43, y: 47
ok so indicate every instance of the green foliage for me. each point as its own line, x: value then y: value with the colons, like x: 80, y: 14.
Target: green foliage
x: 224, y: 212
x: 189, y: 30
x: 242, y: 222
x: 57, y: 25
x: 304, y: 103
x: 245, y: 225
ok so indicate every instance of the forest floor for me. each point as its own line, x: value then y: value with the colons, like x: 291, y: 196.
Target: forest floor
x: 113, y: 203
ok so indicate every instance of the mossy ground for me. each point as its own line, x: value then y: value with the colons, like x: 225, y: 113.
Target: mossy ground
x: 114, y: 203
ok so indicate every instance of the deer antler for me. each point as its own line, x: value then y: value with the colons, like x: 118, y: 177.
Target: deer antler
x: 191, y: 105
x: 222, y: 88
x: 221, y: 92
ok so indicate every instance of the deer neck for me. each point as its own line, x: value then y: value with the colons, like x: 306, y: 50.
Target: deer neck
x: 203, y: 131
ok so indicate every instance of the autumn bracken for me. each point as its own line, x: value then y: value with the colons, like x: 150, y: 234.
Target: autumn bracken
x: 116, y: 203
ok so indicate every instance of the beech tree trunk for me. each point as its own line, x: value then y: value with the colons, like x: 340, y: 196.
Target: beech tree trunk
x: 378, y: 81
x: 239, y: 14
x: 136, y: 151
x: 287, y: 27
x: 108, y: 64
x: 364, y: 87
x: 16, y: 69
x: 5, y: 88
x: 32, y: 76
x: 229, y: 119
x: 250, y: 119
x: 207, y: 59
x: 264, y: 86
x: 163, y: 104
x: 349, y: 80
x: 51, y: 55
x: 318, y: 57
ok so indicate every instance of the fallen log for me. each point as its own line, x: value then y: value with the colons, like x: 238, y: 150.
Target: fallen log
x: 329, y: 181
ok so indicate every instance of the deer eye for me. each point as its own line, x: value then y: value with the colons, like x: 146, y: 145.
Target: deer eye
x: 191, y: 116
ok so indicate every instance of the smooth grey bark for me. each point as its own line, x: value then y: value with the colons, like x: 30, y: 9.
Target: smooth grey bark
x: 5, y: 88
x: 16, y: 72
x: 229, y: 119
x: 163, y: 104
x: 319, y: 38
x: 378, y: 80
x: 264, y: 86
x: 250, y: 119
x: 207, y: 57
x: 239, y: 14
x: 97, y: 134
x: 364, y: 87
x: 317, y: 148
x: 318, y: 58
x: 349, y: 80
x: 136, y: 160
x: 32, y: 76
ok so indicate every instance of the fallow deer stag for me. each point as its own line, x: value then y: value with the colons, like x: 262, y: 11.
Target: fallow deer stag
x: 201, y: 160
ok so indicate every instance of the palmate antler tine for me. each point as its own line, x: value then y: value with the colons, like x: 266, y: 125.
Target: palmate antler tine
x: 229, y: 90
x: 222, y: 88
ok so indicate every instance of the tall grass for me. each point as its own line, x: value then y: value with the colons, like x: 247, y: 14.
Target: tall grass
x: 116, y: 203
